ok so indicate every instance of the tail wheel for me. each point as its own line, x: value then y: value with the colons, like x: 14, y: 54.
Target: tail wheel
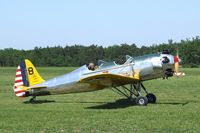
x: 33, y: 99
x: 151, y: 98
x: 141, y: 101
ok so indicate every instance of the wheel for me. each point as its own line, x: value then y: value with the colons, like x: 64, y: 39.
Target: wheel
x: 151, y: 98
x: 141, y: 101
x: 32, y: 100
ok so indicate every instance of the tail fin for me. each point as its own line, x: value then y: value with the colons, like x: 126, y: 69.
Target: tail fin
x: 26, y: 75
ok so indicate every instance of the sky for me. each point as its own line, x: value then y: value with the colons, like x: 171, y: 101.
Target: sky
x: 25, y: 24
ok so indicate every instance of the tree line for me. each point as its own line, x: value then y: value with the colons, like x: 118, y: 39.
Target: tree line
x: 77, y: 55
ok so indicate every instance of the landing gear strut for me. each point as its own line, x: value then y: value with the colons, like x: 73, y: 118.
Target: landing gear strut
x: 134, y: 94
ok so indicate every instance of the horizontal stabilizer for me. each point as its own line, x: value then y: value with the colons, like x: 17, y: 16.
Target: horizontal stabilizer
x: 38, y: 87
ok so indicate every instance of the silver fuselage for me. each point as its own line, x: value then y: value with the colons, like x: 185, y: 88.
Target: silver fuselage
x: 149, y: 67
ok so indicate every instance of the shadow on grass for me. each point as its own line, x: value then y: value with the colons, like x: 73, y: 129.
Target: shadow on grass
x: 174, y: 103
x: 121, y: 103
x: 77, y: 102
x: 53, y: 101
x: 39, y: 102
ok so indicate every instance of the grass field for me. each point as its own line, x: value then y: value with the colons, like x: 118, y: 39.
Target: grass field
x: 177, y: 108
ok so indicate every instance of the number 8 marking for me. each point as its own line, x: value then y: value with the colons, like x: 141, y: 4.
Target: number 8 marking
x: 30, y: 71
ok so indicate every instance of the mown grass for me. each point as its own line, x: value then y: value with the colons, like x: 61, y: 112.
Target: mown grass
x: 177, y: 108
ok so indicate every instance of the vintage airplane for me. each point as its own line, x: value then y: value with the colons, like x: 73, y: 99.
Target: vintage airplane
x: 133, y: 72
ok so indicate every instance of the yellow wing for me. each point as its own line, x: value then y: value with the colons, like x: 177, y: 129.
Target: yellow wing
x: 101, y: 81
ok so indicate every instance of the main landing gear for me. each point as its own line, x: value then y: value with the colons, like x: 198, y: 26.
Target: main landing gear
x: 134, y: 94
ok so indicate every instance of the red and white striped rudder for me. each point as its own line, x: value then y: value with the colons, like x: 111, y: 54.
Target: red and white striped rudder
x: 19, y: 83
